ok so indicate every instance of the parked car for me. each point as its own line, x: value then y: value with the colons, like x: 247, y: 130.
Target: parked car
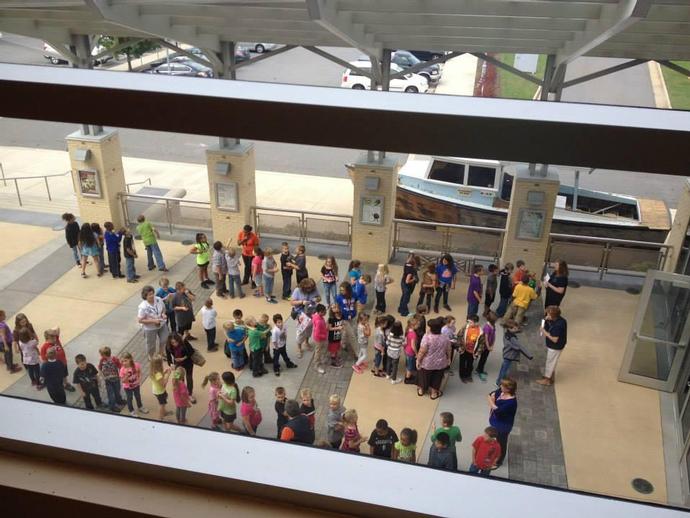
x: 259, y: 48
x: 182, y: 68
x: 56, y: 59
x: 241, y: 53
x: 411, y: 83
x: 426, y: 55
x: 407, y: 59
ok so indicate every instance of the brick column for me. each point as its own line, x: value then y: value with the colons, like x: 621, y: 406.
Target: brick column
x: 97, y: 175
x: 532, y: 204
x: 232, y: 188
x: 373, y: 208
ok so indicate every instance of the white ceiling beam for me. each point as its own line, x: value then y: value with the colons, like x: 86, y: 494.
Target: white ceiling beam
x: 325, y: 13
x: 613, y: 20
x: 236, y: 12
x: 32, y: 29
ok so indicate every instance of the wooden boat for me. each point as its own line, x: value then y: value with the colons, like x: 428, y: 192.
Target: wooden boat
x: 477, y: 192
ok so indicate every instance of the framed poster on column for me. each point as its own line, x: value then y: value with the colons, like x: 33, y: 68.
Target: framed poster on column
x: 89, y: 184
x: 531, y: 224
x: 226, y: 197
x: 372, y: 210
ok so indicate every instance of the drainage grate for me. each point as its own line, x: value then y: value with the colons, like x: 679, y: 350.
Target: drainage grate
x: 642, y: 486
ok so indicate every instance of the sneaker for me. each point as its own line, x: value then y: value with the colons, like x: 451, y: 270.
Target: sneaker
x: 395, y: 382
x: 210, y: 282
x: 137, y: 276
x: 447, y: 307
x: 273, y: 301
x: 292, y: 366
x: 102, y: 405
x: 357, y: 369
x: 69, y: 388
x: 132, y: 280
x: 40, y: 387
x: 203, y: 285
x: 143, y: 410
x: 482, y: 376
x: 277, y: 373
x: 470, y: 379
x: 320, y: 370
x: 133, y: 413
x: 388, y: 376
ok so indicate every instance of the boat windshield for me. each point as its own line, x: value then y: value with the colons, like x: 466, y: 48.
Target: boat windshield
x: 447, y: 172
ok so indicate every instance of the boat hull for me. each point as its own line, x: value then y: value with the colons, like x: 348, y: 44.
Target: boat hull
x: 416, y: 206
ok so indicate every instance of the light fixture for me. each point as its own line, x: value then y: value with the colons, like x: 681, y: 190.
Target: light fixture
x: 82, y: 154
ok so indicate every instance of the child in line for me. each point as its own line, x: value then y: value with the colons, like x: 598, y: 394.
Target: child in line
x: 202, y: 251
x: 109, y: 367
x: 348, y: 310
x: 304, y: 329
x: 235, y: 337
x: 420, y: 314
x: 523, y: 295
x: 335, y: 334
x: 470, y: 339
x: 449, y: 331
x: 98, y: 236
x: 130, y: 253
x: 453, y: 432
x: 281, y: 415
x: 428, y: 286
x: 159, y: 382
x: 52, y: 340
x: 28, y: 346
x: 354, y: 271
x: 254, y: 336
x: 237, y: 319
x: 485, y: 452
x: 352, y: 439
x: 334, y: 421
x: 363, y: 334
x: 491, y: 288
x: 505, y: 289
x: 214, y: 386
x: 489, y: 332
x: 249, y: 410
x: 86, y: 376
x: 287, y: 266
x: 269, y: 267
x: 167, y: 294
x: 439, y: 453
x: 301, y: 262
x: 405, y: 450
x: 265, y: 329
x: 112, y: 247
x: 279, y: 345
x: 307, y: 407
x: 381, y: 282
x: 181, y: 395
x: 411, y: 351
x: 379, y: 346
x: 320, y: 337
x: 520, y: 271
x: 329, y: 279
x: 257, y: 271
x: 130, y: 375
x: 229, y: 396
x: 53, y: 373
x: 208, y: 321
x: 359, y: 292
x: 474, y: 290
x: 512, y: 349
x: 219, y: 266
x: 232, y: 260
x: 394, y: 344
x: 382, y: 439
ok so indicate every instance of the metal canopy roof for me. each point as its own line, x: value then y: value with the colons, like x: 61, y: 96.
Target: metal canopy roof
x: 648, y: 29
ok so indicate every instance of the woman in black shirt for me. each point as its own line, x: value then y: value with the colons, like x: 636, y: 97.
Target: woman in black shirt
x: 408, y: 282
x: 556, y: 284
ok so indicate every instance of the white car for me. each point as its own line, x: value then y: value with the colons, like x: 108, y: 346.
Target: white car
x: 411, y: 83
x: 259, y: 48
x: 56, y: 58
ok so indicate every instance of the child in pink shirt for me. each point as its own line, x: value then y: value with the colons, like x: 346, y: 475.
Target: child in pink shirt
x: 181, y: 395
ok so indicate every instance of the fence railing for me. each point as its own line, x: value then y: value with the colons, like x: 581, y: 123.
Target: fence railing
x: 17, y: 179
x: 173, y: 213
x: 305, y: 226
x: 608, y: 255
x: 147, y: 180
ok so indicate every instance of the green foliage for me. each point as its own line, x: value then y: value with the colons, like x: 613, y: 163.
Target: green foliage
x: 515, y: 87
x: 133, y: 51
x: 678, y: 86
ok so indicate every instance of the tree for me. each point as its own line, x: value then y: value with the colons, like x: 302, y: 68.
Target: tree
x: 133, y: 51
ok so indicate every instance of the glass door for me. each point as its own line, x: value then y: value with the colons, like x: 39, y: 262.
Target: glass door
x: 659, y: 338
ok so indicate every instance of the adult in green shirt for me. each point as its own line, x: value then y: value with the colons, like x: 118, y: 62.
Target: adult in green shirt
x: 149, y: 236
x: 453, y: 433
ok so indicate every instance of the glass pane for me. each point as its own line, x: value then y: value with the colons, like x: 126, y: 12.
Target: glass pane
x: 683, y: 390
x: 685, y: 422
x: 447, y: 172
x: 652, y: 360
x: 578, y: 254
x: 667, y: 311
x: 634, y: 259
x: 481, y: 176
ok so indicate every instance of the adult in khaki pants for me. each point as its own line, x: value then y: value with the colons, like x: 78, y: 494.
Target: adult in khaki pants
x: 523, y: 294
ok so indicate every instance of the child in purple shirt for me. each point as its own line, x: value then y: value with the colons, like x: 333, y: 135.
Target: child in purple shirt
x: 489, y: 331
x: 474, y: 291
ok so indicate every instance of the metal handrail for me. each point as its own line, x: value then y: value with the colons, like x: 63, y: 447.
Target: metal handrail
x: 16, y: 179
x: 161, y: 198
x: 137, y: 183
x: 450, y: 225
x: 311, y: 213
x: 650, y: 244
x: 303, y: 216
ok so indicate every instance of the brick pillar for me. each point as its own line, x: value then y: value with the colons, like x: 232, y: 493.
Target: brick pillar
x: 373, y: 208
x: 97, y: 175
x: 679, y: 229
x: 532, y: 204
x: 232, y: 188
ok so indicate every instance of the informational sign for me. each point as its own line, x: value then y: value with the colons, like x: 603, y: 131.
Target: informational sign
x: 372, y: 210
x: 88, y: 183
x: 531, y: 224
x: 526, y: 62
x: 226, y: 197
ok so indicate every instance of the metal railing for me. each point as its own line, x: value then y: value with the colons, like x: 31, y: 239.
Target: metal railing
x: 147, y: 180
x: 466, y: 241
x: 16, y: 180
x: 608, y: 255
x: 305, y: 226
x: 174, y: 213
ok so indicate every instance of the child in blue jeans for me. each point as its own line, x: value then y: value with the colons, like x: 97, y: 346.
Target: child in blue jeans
x: 109, y: 366
x: 235, y: 336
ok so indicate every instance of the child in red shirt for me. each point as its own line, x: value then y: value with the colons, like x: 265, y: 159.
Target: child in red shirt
x: 485, y: 452
x: 52, y: 339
